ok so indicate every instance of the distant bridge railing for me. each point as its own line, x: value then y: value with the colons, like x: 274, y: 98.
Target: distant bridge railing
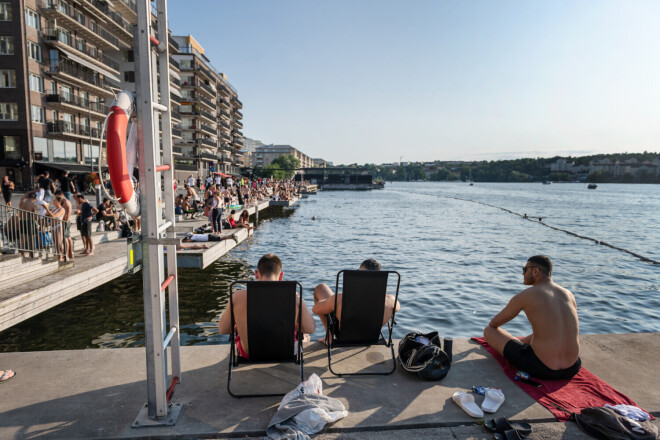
x: 28, y: 232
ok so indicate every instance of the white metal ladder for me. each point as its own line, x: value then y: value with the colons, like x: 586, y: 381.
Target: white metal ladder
x: 152, y: 57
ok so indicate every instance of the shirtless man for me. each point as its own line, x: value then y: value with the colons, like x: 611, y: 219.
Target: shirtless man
x: 552, y: 350
x: 324, y: 299
x: 269, y: 268
x: 26, y: 224
x: 68, y: 242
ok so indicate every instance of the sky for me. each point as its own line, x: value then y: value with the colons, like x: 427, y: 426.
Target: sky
x: 379, y: 81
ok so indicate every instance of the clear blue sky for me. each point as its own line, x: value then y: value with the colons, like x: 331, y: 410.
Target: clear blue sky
x: 374, y: 80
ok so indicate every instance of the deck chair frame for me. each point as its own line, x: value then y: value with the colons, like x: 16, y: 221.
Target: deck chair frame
x: 333, y: 329
x: 259, y: 349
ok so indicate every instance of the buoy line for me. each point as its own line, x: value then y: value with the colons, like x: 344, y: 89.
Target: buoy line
x: 541, y: 222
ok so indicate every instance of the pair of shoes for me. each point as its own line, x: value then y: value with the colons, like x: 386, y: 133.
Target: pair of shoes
x: 6, y: 375
x: 503, y: 429
x: 493, y: 401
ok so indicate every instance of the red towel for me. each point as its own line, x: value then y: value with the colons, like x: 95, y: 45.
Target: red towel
x: 585, y: 389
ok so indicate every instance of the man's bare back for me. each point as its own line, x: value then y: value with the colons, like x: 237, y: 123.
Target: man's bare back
x: 552, y: 312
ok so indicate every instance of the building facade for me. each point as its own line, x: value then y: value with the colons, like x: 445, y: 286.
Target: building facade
x: 61, y: 63
x: 265, y: 154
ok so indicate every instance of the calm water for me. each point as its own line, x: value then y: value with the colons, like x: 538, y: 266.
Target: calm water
x: 460, y: 261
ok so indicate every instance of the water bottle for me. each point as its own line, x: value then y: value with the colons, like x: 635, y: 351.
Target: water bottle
x: 448, y: 343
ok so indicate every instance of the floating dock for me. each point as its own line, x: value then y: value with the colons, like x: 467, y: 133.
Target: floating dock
x: 98, y: 393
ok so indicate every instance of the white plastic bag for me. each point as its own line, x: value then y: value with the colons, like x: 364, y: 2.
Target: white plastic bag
x: 313, y: 385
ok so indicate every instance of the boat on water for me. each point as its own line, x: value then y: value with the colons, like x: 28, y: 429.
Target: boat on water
x: 547, y: 182
x: 340, y: 178
x: 592, y: 186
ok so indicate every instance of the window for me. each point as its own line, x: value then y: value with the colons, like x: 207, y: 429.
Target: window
x: 53, y: 88
x: 36, y: 83
x: 6, y: 45
x: 7, y: 79
x: 5, y: 11
x: 64, y: 151
x: 67, y: 93
x: 8, y: 111
x: 40, y: 145
x: 38, y: 114
x: 94, y: 150
x: 129, y: 76
x: 10, y: 147
x: 34, y: 51
x: 32, y: 19
x: 69, y: 125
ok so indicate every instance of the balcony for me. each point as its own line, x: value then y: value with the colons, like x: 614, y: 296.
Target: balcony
x: 207, y: 89
x: 205, y: 101
x: 69, y: 129
x: 56, y: 37
x: 236, y: 102
x: 66, y: 100
x: 177, y: 150
x: 225, y: 114
x: 78, y: 22
x: 206, y: 115
x: 238, y: 142
x: 225, y: 137
x: 175, y: 115
x: 238, y: 124
x: 127, y: 8
x: 224, y: 125
x: 175, y: 98
x: 223, y: 89
x: 225, y: 147
x: 173, y: 43
x: 203, y: 70
x: 238, y: 114
x: 185, y: 167
x: 223, y: 103
x: 176, y: 132
x: 208, y: 142
x: 122, y: 28
x: 82, y: 78
x: 208, y: 129
x: 174, y: 63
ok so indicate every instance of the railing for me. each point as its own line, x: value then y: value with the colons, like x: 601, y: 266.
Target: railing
x: 174, y: 98
x: 97, y: 107
x: 175, y: 81
x: 224, y: 124
x: 175, y: 115
x: 207, y: 88
x: 173, y: 43
x: 225, y: 113
x: 223, y: 102
x: 56, y: 34
x: 71, y: 70
x: 175, y: 63
x: 209, y: 143
x: 65, y: 9
x: 207, y: 128
x: 205, y: 114
x: 239, y: 114
x: 123, y: 23
x: 238, y: 123
x: 63, y: 127
x: 237, y: 101
x: 177, y: 150
x: 25, y: 231
x: 184, y: 167
x: 207, y: 101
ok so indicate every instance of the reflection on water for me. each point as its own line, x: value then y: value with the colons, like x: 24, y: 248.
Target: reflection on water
x: 459, y: 261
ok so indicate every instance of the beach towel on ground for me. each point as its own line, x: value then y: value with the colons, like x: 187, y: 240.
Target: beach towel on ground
x: 582, y: 391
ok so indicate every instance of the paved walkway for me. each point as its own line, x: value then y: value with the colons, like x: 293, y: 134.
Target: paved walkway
x: 97, y: 393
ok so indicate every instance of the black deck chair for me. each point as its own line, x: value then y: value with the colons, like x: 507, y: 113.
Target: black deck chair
x: 362, y: 309
x: 271, y: 322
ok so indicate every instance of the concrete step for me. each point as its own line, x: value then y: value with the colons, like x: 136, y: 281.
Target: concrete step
x: 27, y: 272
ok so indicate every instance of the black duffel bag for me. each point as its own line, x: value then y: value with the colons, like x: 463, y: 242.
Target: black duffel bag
x: 422, y: 353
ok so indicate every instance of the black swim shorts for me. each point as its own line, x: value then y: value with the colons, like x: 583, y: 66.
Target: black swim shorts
x: 67, y: 230
x: 522, y: 357
x: 86, y: 229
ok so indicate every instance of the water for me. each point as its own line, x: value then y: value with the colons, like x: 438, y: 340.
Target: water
x: 460, y: 261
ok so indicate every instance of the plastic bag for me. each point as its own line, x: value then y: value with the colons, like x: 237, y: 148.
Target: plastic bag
x: 313, y: 385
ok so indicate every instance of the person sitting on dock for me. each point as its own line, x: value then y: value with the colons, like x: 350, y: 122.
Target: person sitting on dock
x: 269, y: 268
x: 324, y: 299
x: 552, y: 350
x: 244, y: 221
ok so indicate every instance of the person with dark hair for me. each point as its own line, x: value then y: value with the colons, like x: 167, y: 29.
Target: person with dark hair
x: 269, y: 268
x: 552, y: 351
x: 66, y: 185
x: 46, y: 183
x: 66, y: 233
x: 324, y: 299
x: 7, y: 190
x: 86, y: 213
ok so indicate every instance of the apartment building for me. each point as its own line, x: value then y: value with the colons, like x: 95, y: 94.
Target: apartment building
x: 211, y: 118
x: 265, y: 154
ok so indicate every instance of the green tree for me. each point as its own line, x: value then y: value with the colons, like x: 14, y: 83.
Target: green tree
x: 287, y: 164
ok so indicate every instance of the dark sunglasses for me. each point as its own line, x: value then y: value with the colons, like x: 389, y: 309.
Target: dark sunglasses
x: 528, y: 267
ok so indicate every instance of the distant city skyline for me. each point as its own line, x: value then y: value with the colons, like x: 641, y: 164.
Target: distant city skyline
x: 374, y: 80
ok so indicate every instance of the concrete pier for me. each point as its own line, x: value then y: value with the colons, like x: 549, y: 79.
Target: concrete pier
x: 29, y: 287
x: 97, y: 393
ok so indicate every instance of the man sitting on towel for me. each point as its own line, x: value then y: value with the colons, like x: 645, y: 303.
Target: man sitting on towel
x: 269, y: 268
x: 552, y: 350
